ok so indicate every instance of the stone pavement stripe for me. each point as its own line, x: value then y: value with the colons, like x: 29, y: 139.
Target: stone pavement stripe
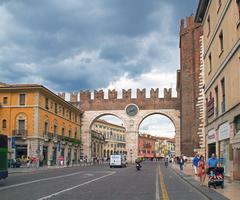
x: 76, y: 186
x: 157, y: 185
x: 39, y: 180
x: 165, y: 195
x: 205, y: 191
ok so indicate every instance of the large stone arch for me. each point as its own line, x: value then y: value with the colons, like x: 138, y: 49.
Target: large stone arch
x: 173, y: 115
x: 132, y: 128
x: 95, y: 107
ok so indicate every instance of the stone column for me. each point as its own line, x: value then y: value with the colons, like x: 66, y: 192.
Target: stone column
x: 132, y: 145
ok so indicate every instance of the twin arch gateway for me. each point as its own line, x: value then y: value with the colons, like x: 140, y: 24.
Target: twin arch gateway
x: 132, y: 111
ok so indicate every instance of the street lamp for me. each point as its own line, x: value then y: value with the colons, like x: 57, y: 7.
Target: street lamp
x: 131, y: 154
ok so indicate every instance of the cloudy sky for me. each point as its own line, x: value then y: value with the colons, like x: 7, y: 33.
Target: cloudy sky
x: 73, y: 45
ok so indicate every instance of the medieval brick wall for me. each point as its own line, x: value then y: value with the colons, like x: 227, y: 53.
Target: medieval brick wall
x: 113, y: 103
x: 189, y: 85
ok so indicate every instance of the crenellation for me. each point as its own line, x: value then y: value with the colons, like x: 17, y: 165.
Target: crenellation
x: 141, y: 94
x: 74, y: 96
x: 126, y: 94
x: 167, y: 93
x: 62, y: 95
x: 112, y: 94
x: 98, y: 95
x: 85, y: 95
x: 154, y: 93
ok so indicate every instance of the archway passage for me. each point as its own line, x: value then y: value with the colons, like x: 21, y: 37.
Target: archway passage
x: 108, y: 137
x: 156, y: 137
x: 132, y: 111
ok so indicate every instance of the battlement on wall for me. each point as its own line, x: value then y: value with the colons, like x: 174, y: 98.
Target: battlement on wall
x: 190, y: 24
x: 112, y: 95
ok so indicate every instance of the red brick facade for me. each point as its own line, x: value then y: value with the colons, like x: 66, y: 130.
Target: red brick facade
x: 188, y: 85
x: 146, y: 146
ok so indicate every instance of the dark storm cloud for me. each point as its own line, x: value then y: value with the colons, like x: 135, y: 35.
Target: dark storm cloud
x: 73, y: 44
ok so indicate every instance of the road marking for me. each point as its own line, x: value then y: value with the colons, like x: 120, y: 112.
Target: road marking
x: 163, y: 186
x: 40, y: 180
x: 74, y: 187
x: 157, y: 185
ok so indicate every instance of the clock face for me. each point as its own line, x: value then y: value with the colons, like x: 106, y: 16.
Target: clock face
x: 132, y: 110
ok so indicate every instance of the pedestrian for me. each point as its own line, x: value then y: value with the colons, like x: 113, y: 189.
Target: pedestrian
x: 213, y: 161
x: 202, y: 170
x: 181, y: 162
x: 28, y: 162
x: 195, y: 163
x: 68, y: 161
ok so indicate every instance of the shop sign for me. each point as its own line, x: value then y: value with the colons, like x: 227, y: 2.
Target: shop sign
x: 212, y: 136
x: 224, y: 131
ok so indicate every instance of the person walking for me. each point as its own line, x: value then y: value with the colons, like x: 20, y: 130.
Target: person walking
x: 195, y: 163
x: 202, y: 170
x: 213, y: 161
x: 181, y: 162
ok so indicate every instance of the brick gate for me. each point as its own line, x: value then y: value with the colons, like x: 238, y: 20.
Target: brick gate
x: 132, y: 111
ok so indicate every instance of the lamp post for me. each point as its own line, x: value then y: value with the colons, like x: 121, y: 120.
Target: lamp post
x: 131, y: 155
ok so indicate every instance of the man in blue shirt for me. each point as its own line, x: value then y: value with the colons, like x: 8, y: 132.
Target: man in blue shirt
x: 212, y: 162
x: 195, y: 163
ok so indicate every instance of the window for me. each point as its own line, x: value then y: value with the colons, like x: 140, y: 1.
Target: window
x: 75, y: 135
x: 219, y: 5
x: 221, y: 41
x: 210, y: 63
x: 22, y: 99
x: 70, y: 115
x: 46, y: 103
x: 46, y: 128
x: 69, y: 133
x: 56, y: 108
x: 209, y: 27
x: 5, y: 100
x: 4, y: 123
x: 237, y: 124
x: 216, y: 108
x: 63, y: 111
x: 55, y: 131
x: 223, y: 94
x: 238, y: 4
x: 63, y: 130
x: 21, y: 124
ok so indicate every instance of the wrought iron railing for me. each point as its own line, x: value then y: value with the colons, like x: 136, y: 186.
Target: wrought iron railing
x: 20, y: 133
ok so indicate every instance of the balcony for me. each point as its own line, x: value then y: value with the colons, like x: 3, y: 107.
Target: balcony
x: 47, y: 136
x: 20, y: 134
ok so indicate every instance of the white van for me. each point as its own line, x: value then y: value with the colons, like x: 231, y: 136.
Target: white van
x: 118, y: 161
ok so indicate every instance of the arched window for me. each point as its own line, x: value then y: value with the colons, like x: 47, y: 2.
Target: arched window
x: 4, y: 123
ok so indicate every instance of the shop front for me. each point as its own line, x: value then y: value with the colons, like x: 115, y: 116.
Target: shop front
x: 211, y: 141
x: 236, y: 149
x: 45, y: 155
x: 224, y: 146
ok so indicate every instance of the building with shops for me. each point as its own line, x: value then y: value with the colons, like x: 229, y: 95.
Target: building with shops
x: 39, y: 124
x: 146, y: 146
x: 221, y: 56
x: 98, y: 141
x: 115, y: 142
x: 165, y: 146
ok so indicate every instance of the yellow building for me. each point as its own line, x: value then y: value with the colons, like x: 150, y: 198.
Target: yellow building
x: 97, y: 143
x: 221, y: 56
x: 114, y: 137
x: 39, y: 123
x: 165, y: 146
